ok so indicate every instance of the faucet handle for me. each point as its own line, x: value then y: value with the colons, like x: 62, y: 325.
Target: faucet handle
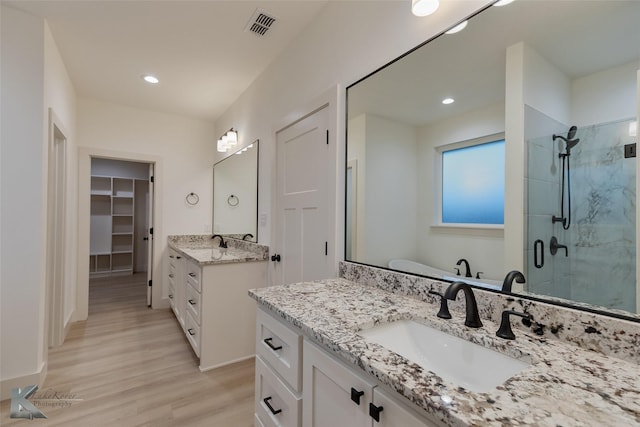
x: 444, y: 308
x: 505, y: 326
x: 478, y: 274
x: 457, y: 271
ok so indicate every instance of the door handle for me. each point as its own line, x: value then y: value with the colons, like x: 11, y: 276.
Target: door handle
x: 275, y: 258
x: 538, y: 248
x: 146, y: 238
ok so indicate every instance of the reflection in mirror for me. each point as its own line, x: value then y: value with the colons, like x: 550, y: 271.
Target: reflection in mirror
x: 526, y: 72
x: 235, y: 194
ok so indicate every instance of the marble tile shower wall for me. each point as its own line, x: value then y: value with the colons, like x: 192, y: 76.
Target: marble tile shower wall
x: 603, y: 230
x: 600, y: 266
x: 613, y: 337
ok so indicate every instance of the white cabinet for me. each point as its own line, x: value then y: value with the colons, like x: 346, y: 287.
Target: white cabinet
x: 177, y: 283
x: 294, y: 374
x: 337, y: 395
x: 278, y: 399
x: 112, y: 210
x: 212, y: 306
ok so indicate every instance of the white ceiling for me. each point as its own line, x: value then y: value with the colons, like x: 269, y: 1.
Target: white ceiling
x: 578, y: 37
x: 199, y: 50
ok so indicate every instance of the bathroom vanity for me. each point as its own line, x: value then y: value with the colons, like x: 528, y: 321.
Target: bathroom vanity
x: 315, y: 366
x: 207, y: 292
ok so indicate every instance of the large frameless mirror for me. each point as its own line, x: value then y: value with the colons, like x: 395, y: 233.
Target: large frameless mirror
x: 235, y: 194
x: 508, y: 145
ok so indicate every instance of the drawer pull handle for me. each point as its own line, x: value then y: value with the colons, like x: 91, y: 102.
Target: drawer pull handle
x: 355, y: 395
x: 171, y: 256
x: 191, y: 332
x: 267, y: 341
x: 170, y: 296
x: 273, y: 411
x: 374, y: 411
x: 179, y: 257
x: 192, y: 274
x: 171, y: 275
x: 192, y: 302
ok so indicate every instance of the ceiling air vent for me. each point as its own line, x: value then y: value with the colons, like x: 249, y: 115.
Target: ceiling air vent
x: 260, y: 23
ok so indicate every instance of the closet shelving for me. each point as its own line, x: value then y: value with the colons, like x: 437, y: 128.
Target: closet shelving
x: 112, y: 225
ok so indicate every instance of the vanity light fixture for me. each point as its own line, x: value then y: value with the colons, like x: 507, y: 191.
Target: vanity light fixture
x: 150, y: 79
x: 448, y: 101
x: 461, y: 26
x: 503, y: 2
x: 424, y: 7
x: 633, y: 128
x: 228, y: 140
x: 244, y: 149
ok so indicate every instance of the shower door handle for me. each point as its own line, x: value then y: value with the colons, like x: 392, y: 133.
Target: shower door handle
x: 538, y: 247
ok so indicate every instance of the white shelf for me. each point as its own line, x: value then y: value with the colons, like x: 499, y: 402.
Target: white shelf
x: 112, y: 225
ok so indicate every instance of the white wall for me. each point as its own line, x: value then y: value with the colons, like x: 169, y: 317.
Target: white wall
x: 119, y: 169
x: 441, y: 247
x: 605, y: 96
x: 60, y: 97
x: 339, y: 47
x: 23, y: 198
x: 390, y: 195
x: 183, y: 151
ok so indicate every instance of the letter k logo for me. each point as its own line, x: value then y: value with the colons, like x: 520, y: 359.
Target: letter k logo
x: 21, y: 407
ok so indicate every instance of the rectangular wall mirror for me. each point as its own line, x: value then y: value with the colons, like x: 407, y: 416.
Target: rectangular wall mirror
x: 235, y: 194
x: 502, y: 147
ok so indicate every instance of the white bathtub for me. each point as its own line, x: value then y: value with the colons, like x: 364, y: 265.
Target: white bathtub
x: 413, y: 267
x: 417, y: 268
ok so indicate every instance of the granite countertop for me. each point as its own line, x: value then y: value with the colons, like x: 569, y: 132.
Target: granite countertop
x: 565, y: 385
x: 204, y: 251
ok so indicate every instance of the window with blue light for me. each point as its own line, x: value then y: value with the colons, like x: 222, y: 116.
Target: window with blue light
x: 473, y: 184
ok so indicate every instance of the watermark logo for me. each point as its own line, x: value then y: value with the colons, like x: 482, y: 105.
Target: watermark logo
x: 24, y: 401
x: 21, y: 407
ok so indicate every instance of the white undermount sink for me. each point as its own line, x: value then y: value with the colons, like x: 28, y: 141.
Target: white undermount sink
x: 457, y: 361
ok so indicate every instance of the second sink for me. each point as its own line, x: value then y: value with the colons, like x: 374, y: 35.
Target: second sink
x: 460, y: 362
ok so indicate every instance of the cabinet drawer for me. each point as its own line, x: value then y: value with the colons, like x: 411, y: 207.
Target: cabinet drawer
x: 172, y: 294
x: 192, y: 329
x: 174, y: 258
x: 193, y: 276
x: 281, y: 347
x: 192, y: 298
x: 275, y: 404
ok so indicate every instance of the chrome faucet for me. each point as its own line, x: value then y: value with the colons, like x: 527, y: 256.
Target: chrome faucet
x: 472, y: 319
x: 466, y: 264
x: 223, y: 244
x: 509, y: 278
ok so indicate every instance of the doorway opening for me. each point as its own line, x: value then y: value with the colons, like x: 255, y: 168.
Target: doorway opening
x: 121, y: 229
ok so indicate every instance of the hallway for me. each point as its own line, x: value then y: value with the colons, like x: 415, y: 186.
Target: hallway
x: 128, y: 365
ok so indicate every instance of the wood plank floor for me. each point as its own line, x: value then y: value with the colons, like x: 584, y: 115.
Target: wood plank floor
x: 132, y: 366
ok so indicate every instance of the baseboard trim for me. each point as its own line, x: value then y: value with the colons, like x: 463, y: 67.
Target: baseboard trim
x: 67, y: 326
x: 20, y: 382
x: 230, y: 362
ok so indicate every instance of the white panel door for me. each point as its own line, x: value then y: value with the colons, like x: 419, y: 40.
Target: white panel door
x: 303, y: 231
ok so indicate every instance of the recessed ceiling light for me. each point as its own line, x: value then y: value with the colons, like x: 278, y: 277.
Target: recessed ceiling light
x: 448, y: 101
x: 461, y: 26
x: 424, y: 7
x: 503, y: 2
x: 150, y: 79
